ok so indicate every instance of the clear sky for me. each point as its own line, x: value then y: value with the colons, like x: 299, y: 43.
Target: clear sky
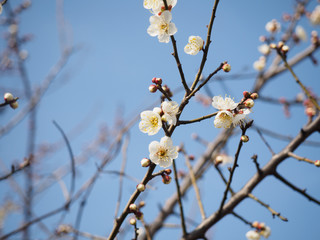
x: 108, y: 76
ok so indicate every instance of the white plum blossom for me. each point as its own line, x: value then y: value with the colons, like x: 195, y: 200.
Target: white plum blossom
x: 260, y: 64
x: 266, y: 232
x: 273, y: 26
x: 150, y: 122
x: 151, y: 4
x: 315, y: 16
x: 264, y: 49
x: 195, y: 44
x: 162, y: 153
x: 157, y: 6
x: 162, y: 26
x: 170, y: 110
x: 228, y: 114
x: 301, y: 33
x: 224, y: 118
x: 240, y: 116
x: 252, y: 235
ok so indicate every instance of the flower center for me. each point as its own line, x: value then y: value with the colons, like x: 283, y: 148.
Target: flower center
x: 224, y: 117
x: 164, y: 27
x: 162, y: 152
x: 154, y: 121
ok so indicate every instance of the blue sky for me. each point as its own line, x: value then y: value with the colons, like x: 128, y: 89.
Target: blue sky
x: 111, y: 69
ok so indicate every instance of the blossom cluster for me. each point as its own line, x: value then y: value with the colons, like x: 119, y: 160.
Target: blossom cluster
x: 161, y: 25
x: 260, y: 230
x: 160, y: 22
x: 231, y: 113
x: 161, y: 153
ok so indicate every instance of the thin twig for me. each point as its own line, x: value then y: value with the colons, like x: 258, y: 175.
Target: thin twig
x: 300, y: 158
x: 176, y: 57
x: 206, y: 48
x: 26, y: 162
x: 180, y: 122
x: 241, y: 218
x: 73, y: 168
x: 255, y: 160
x: 273, y: 212
x: 305, y: 90
x: 122, y: 170
x: 194, y: 183
x: 265, y: 141
x: 183, y: 224
x: 235, y: 164
x: 293, y: 187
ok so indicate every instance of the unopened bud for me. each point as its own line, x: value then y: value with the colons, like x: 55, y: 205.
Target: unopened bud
x: 141, y: 187
x: 254, y: 95
x: 166, y: 179
x: 145, y: 162
x: 246, y: 94
x: 133, y: 221
x: 285, y: 49
x: 191, y: 157
x: 139, y: 215
x: 167, y: 171
x: 226, y: 67
x: 8, y: 97
x: 141, y: 204
x: 249, y: 103
x: 133, y: 207
x: 255, y: 224
x: 317, y: 163
x: 14, y: 105
x: 310, y: 111
x: 280, y: 44
x: 157, y: 81
x: 244, y: 138
x: 218, y: 160
x: 153, y: 88
x: 273, y: 45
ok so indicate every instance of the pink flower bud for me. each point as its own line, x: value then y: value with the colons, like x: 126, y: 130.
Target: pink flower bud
x: 153, y: 88
x: 317, y: 163
x: 167, y: 171
x: 246, y: 94
x: 139, y: 215
x: 310, y: 111
x: 166, y: 179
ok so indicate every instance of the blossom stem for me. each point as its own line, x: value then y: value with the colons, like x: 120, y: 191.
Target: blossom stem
x: 305, y: 90
x: 176, y: 57
x: 134, y: 196
x: 235, y: 164
x: 163, y: 92
x: 184, y: 230
x: 300, y: 158
x: 197, y: 119
x: 194, y: 91
x: 206, y: 48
